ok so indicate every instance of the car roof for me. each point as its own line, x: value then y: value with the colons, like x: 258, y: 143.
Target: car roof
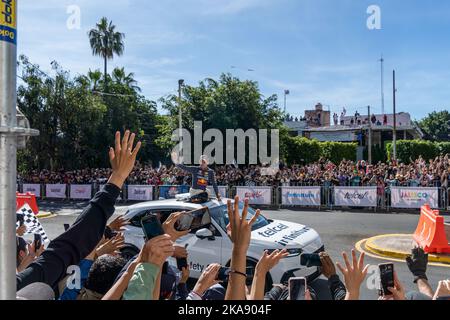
x: 175, y: 203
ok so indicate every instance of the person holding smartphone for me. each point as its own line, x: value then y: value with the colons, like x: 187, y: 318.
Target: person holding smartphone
x: 87, y: 231
x: 202, y: 176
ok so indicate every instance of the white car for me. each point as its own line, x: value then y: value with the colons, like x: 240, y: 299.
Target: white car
x: 213, y: 245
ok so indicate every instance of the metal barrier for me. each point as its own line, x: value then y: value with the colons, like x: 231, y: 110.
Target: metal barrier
x: 327, y: 194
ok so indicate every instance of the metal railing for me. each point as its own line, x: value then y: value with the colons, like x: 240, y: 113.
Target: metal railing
x: 327, y: 195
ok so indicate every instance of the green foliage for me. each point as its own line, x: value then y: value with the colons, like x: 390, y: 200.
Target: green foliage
x: 77, y: 125
x: 410, y: 150
x: 436, y: 126
x: 226, y: 103
x: 337, y: 151
x: 303, y: 150
x: 444, y: 147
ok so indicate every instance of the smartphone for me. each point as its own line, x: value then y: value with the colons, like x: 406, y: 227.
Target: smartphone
x: 386, y: 278
x: 37, y: 241
x: 224, y: 273
x: 297, y: 288
x: 151, y: 226
x: 310, y: 260
x: 182, y: 262
x: 21, y: 219
x: 66, y: 226
x: 195, y: 219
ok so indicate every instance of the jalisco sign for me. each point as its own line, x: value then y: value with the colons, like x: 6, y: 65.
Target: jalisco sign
x: 8, y: 22
x: 402, y: 197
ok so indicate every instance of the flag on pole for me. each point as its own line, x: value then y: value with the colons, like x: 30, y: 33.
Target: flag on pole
x: 32, y: 222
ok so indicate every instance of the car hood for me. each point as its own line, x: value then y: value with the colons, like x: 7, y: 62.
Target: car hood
x: 286, y: 235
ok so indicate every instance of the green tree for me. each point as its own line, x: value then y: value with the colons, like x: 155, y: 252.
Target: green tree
x: 105, y: 42
x: 226, y: 103
x: 76, y: 124
x: 436, y: 126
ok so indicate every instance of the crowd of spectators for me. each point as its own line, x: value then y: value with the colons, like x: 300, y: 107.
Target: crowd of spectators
x: 94, y: 246
x: 432, y: 173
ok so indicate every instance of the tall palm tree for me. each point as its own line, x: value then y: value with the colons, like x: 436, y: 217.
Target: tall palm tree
x: 121, y: 77
x: 105, y: 42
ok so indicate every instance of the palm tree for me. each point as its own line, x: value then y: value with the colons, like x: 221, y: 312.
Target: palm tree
x: 105, y: 42
x: 121, y: 77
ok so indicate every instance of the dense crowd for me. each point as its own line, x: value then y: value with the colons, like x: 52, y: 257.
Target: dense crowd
x: 94, y: 246
x: 432, y: 173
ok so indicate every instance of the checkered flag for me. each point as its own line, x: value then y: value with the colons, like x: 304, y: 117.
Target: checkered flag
x: 32, y: 222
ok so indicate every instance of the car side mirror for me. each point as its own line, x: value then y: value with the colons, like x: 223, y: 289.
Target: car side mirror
x: 204, y: 234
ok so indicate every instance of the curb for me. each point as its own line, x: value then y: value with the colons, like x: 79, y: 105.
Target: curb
x: 44, y: 214
x: 370, y: 246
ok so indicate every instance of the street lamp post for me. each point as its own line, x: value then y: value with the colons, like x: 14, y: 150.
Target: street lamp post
x: 180, y: 116
x: 286, y: 93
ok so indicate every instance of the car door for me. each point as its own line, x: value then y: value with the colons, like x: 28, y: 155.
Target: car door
x: 201, y: 251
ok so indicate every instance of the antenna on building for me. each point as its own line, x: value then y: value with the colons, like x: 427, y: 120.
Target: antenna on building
x: 382, y: 84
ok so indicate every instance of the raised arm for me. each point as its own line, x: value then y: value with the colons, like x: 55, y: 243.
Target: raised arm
x: 84, y: 235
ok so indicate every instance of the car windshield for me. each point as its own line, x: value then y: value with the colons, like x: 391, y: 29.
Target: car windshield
x: 220, y: 215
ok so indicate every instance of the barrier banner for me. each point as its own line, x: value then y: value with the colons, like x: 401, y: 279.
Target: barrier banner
x: 57, y: 191
x: 140, y: 193
x: 406, y: 197
x: 300, y: 196
x: 32, y: 188
x: 80, y: 191
x: 222, y: 191
x: 255, y: 195
x: 355, y: 196
x: 169, y: 192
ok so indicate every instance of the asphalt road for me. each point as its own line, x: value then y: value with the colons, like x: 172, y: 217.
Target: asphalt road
x: 339, y: 230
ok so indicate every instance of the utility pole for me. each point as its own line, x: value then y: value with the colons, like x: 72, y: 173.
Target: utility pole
x: 394, y: 133
x: 370, y: 136
x: 180, y: 117
x: 382, y: 85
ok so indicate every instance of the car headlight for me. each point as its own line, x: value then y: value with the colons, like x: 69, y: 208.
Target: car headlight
x: 292, y: 252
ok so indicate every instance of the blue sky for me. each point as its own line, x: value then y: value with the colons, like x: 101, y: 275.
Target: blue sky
x: 321, y: 50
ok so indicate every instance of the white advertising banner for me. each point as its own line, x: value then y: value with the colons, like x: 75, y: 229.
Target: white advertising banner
x: 405, y: 197
x: 32, y: 188
x: 255, y: 195
x: 300, y: 196
x: 55, y: 191
x: 222, y: 191
x: 140, y: 193
x: 355, y: 196
x: 80, y: 191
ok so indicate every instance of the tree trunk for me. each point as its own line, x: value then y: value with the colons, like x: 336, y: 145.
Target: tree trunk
x: 106, y: 73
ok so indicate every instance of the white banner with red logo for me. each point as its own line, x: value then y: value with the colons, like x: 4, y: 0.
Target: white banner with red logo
x: 255, y: 195
x: 355, y: 196
x: 300, y: 196
x: 80, y: 191
x: 222, y: 191
x: 140, y: 193
x: 32, y: 188
x: 57, y: 191
x: 405, y: 197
